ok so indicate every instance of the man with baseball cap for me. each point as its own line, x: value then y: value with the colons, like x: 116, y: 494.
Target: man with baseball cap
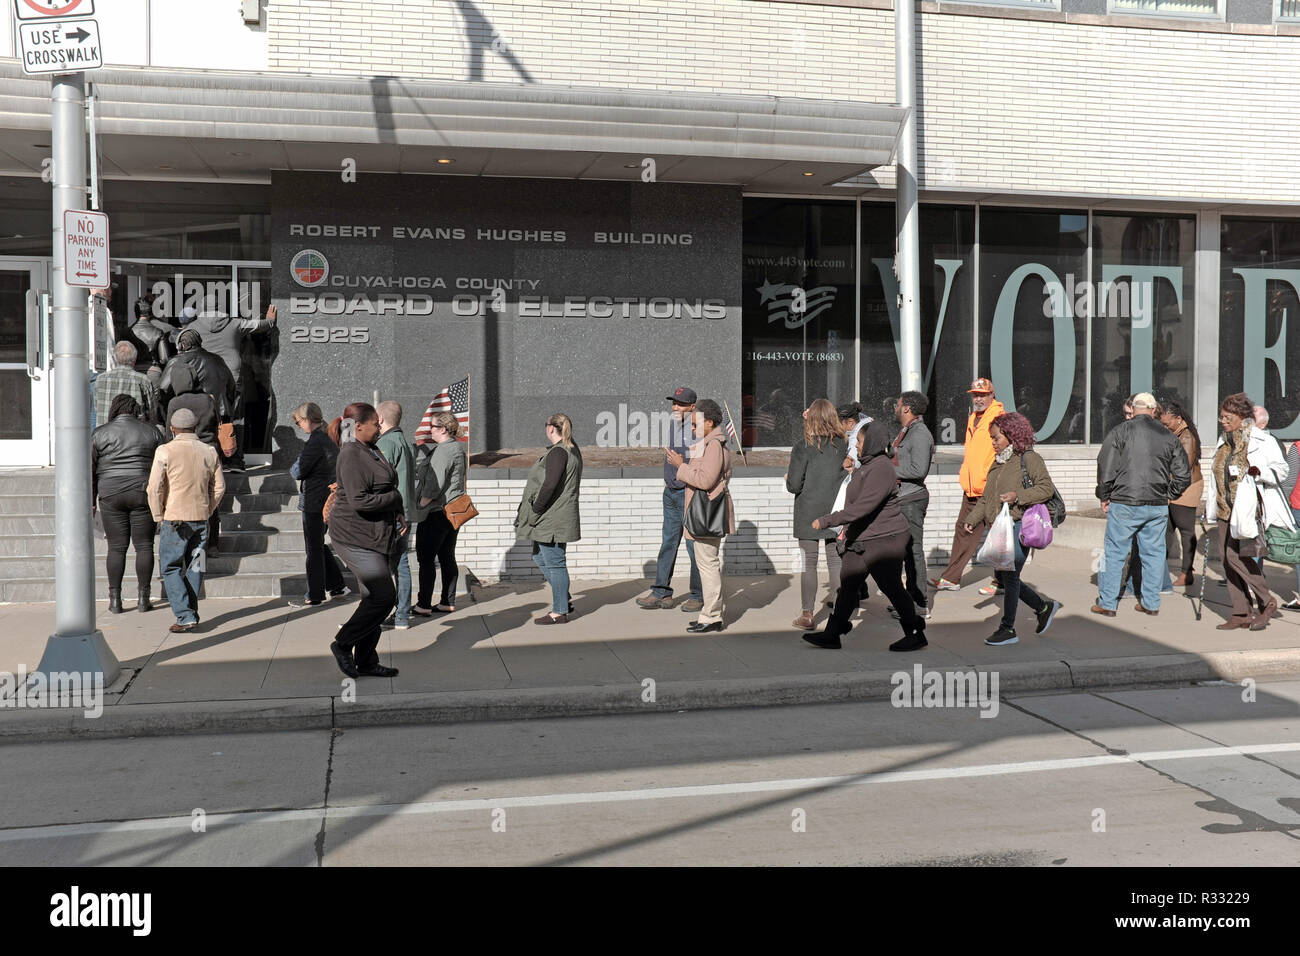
x: 185, y: 487
x: 681, y: 435
x: 1141, y: 468
x: 975, y: 466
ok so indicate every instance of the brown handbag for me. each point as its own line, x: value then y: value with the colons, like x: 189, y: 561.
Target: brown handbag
x: 226, y: 438
x: 330, y: 502
x: 460, y: 511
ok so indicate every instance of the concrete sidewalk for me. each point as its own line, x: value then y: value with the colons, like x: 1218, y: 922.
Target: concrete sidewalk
x: 258, y: 664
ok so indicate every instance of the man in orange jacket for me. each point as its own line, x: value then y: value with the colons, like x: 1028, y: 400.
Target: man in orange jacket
x: 974, y: 470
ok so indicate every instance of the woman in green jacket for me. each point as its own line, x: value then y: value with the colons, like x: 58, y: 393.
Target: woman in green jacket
x: 548, y: 515
x: 1012, y: 438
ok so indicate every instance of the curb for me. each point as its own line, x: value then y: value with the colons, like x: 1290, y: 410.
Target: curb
x: 326, y: 713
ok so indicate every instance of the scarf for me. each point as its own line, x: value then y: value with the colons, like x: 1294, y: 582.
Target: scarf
x: 1004, y: 455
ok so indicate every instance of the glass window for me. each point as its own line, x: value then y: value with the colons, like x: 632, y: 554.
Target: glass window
x: 1142, y: 301
x: 1259, y: 289
x: 1200, y: 9
x: 1286, y: 10
x: 946, y: 310
x: 797, y: 308
x: 150, y: 220
x: 1029, y: 337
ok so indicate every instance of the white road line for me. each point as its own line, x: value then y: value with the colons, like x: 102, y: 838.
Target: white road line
x: 213, y: 820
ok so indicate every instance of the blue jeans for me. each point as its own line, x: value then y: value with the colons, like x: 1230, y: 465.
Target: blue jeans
x: 1124, y: 524
x: 555, y: 568
x: 1015, y: 590
x: 402, y: 613
x: 180, y: 545
x: 674, y: 513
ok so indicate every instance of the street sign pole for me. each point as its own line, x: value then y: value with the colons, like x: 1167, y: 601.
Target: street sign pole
x: 75, y: 646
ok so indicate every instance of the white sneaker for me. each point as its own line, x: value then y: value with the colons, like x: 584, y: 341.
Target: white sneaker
x: 340, y: 594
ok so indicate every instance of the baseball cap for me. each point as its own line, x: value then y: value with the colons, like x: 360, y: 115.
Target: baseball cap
x: 184, y: 418
x: 981, y: 386
x: 1145, y: 399
x: 683, y: 396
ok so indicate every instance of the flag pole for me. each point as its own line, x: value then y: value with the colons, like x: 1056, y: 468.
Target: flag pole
x: 733, y: 425
x: 469, y: 408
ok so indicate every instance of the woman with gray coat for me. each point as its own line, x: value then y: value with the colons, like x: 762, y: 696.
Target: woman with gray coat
x: 814, y: 478
x: 439, y: 480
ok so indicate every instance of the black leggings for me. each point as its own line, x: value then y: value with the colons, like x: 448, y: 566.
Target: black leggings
x: 374, y: 574
x: 128, y: 521
x: 1183, y: 517
x: 882, y: 559
x: 436, y: 538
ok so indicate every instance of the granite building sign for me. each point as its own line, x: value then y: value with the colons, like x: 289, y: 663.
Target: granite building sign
x: 552, y: 295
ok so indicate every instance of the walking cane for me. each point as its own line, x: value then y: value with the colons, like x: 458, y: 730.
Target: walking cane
x: 1205, y: 567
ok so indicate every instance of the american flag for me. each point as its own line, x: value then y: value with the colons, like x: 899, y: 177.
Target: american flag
x: 455, y: 399
x: 731, y: 430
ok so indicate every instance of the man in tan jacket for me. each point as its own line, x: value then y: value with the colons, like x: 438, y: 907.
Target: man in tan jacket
x: 185, y: 488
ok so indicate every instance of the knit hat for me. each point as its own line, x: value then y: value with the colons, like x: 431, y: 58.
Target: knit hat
x: 184, y: 418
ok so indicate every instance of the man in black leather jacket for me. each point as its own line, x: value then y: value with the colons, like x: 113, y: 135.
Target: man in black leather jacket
x: 154, y: 336
x: 1141, y: 468
x: 210, y: 374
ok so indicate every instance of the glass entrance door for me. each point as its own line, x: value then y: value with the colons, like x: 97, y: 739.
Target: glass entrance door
x: 24, y: 364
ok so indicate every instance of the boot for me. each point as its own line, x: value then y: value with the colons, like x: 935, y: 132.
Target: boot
x: 114, y: 600
x: 142, y: 602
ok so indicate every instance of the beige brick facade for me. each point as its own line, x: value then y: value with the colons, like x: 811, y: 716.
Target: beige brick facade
x: 1006, y: 104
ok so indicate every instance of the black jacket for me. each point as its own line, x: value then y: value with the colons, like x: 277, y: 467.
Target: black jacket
x: 366, y: 510
x: 1142, y: 463
x: 814, y: 478
x: 210, y: 375
x: 315, y: 470
x: 204, y: 407
x: 121, y: 455
x: 154, y: 337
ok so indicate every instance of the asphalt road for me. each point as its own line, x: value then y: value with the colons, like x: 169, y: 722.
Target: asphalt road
x: 1185, y: 776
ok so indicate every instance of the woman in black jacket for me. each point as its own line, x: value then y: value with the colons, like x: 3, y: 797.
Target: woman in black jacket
x: 814, y: 477
x: 121, y: 455
x: 314, y: 469
x: 874, y: 542
x: 367, y: 522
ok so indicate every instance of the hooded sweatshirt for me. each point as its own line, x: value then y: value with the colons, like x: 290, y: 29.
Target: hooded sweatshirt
x: 224, y: 336
x: 871, y: 501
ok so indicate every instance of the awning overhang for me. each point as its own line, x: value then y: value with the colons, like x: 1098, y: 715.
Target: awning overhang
x: 202, y: 124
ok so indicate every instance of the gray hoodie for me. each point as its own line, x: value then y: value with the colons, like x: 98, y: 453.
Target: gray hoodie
x: 224, y: 336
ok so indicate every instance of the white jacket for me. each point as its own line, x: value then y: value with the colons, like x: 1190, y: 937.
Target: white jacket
x: 1265, y: 453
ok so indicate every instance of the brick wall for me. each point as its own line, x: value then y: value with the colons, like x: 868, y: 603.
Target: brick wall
x: 1006, y: 104
x: 621, y: 520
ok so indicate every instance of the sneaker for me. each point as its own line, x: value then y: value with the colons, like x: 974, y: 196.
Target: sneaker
x: 1292, y: 605
x: 1003, y: 635
x: 692, y: 605
x: 1045, y: 616
x: 341, y: 592
x: 233, y: 469
x: 304, y: 601
x: 943, y: 584
x: 652, y: 603
x: 989, y: 590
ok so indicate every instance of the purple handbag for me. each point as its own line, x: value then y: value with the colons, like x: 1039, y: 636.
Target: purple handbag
x: 1036, y: 527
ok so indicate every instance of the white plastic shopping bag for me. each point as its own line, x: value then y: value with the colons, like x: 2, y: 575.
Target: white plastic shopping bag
x: 999, y: 548
x: 839, y: 500
x: 1243, y: 525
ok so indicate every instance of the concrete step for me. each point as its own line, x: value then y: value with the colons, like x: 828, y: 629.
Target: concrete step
x: 243, y: 585
x: 233, y: 541
x: 37, y: 567
x: 260, y: 480
x: 34, y: 504
x: 287, y: 519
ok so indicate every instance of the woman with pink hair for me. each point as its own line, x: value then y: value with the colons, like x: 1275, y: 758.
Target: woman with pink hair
x: 1013, y: 463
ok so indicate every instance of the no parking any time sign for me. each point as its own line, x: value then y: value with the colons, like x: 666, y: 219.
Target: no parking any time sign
x: 85, y: 249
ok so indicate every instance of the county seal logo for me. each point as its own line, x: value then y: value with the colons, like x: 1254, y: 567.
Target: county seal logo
x: 310, y: 268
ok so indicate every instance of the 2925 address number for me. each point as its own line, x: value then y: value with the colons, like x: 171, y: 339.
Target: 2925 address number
x: 322, y: 334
